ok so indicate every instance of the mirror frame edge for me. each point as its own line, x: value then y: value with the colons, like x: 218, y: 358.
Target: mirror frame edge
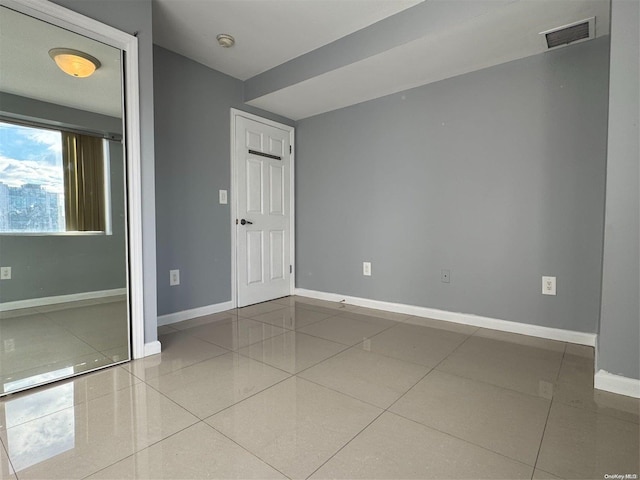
x: 76, y: 22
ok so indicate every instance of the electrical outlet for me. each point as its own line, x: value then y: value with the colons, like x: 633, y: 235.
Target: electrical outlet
x: 445, y: 276
x: 174, y: 277
x: 222, y: 195
x: 9, y: 345
x: 366, y: 269
x: 5, y: 273
x: 548, y: 285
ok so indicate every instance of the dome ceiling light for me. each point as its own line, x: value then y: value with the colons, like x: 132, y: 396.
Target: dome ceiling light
x: 74, y: 62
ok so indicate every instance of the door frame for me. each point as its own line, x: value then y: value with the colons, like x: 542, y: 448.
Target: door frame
x: 234, y: 199
x: 62, y: 17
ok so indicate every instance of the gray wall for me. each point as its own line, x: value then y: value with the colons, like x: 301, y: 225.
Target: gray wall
x: 45, y: 266
x: 619, y: 341
x: 192, y: 120
x: 497, y: 175
x: 131, y: 17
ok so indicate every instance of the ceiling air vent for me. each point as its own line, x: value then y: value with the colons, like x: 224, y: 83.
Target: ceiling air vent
x: 572, y: 33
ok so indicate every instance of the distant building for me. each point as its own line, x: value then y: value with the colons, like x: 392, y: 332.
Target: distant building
x: 4, y: 207
x: 30, y: 208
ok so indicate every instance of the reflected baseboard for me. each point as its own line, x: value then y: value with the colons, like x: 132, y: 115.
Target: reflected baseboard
x: 74, y: 297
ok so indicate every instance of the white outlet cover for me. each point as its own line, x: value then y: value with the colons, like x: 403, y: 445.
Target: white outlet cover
x: 548, y: 285
x: 5, y: 273
x: 174, y: 277
x: 222, y: 194
x: 366, y: 269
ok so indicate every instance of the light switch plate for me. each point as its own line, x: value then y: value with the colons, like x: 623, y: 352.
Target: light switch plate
x: 222, y: 195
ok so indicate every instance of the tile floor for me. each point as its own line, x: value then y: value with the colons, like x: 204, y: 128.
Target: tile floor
x: 301, y: 388
x: 39, y: 344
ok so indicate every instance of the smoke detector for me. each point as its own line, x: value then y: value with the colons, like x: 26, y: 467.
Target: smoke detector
x: 225, y: 40
x: 572, y: 33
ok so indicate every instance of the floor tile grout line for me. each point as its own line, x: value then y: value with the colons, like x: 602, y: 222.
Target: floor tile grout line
x: 6, y: 452
x: 544, y: 430
x: 247, y: 398
x: 347, y: 443
x: 264, y: 362
x: 294, y: 328
x: 186, y: 332
x: 142, y: 449
x: 494, y: 385
x: 387, y: 410
x: 71, y: 332
x: 177, y: 369
x: 307, y: 368
x: 489, y: 383
x: 229, y: 406
x: 245, y: 448
x: 546, y: 422
x: 347, y: 347
x: 432, y: 369
x: 449, y: 434
x: 339, y: 392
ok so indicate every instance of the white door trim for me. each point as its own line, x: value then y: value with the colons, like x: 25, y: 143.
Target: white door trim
x: 234, y: 199
x: 75, y: 22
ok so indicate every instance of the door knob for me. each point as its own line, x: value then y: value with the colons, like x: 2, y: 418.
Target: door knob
x: 245, y: 222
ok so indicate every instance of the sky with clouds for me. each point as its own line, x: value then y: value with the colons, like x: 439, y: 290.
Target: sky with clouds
x: 31, y: 155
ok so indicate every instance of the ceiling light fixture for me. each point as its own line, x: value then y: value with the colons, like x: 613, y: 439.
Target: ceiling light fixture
x: 225, y: 40
x: 74, y: 62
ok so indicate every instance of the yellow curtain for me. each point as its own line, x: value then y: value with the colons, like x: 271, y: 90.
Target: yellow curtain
x: 83, y: 161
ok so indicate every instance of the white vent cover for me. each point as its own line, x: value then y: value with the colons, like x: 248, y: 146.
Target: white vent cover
x: 572, y: 33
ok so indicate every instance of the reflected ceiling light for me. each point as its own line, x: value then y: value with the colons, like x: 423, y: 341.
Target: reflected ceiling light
x: 226, y: 40
x: 74, y: 62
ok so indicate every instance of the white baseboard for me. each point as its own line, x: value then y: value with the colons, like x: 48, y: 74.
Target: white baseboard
x: 570, y: 336
x: 152, y: 348
x: 604, y: 380
x: 194, y: 313
x: 74, y: 297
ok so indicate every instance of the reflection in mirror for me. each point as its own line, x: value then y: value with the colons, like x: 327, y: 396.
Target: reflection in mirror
x: 63, y: 248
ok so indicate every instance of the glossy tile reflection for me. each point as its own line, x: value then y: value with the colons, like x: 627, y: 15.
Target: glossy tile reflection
x: 196, y: 452
x: 323, y: 390
x: 43, y: 344
x: 80, y: 439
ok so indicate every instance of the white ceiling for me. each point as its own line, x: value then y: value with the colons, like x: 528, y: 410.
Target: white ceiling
x: 271, y: 32
x: 507, y: 33
x: 28, y: 71
x: 267, y: 32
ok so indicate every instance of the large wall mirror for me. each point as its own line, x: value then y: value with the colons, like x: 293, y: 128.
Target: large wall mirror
x: 65, y: 203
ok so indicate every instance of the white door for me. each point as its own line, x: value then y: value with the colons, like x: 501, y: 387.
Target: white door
x: 263, y: 217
